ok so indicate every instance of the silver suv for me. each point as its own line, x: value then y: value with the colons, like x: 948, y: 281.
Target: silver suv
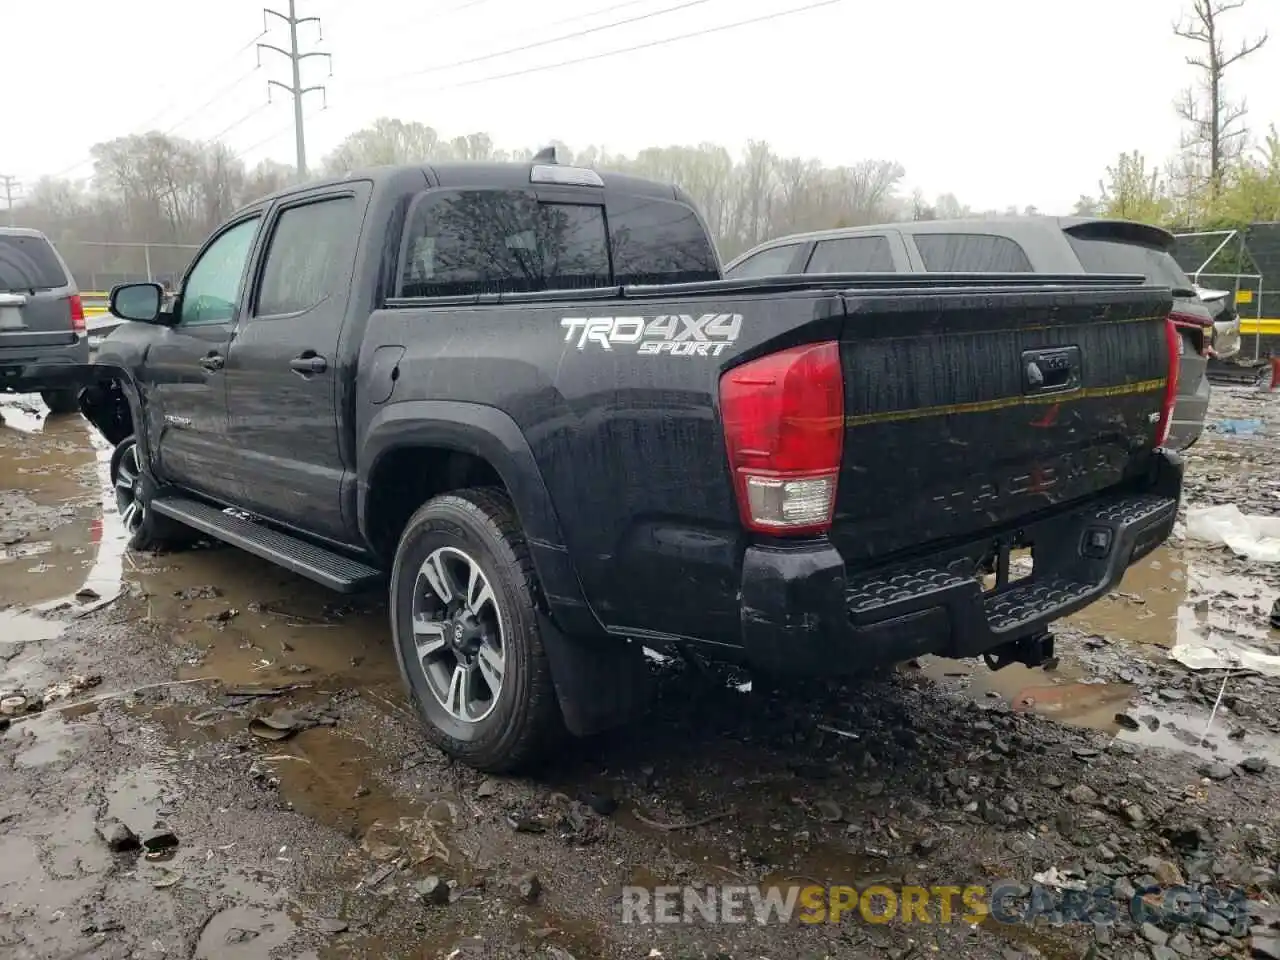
x: 1035, y: 244
x: 42, y: 327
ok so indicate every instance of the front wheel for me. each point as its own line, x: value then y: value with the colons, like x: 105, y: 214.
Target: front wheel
x: 144, y: 529
x: 466, y: 632
x: 61, y: 401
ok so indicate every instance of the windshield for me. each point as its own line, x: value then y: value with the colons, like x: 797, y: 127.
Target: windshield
x: 29, y: 263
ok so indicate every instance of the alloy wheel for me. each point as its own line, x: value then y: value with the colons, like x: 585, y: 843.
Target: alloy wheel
x: 457, y: 632
x: 132, y: 511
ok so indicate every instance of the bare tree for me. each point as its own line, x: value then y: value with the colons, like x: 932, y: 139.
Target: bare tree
x: 1216, y: 123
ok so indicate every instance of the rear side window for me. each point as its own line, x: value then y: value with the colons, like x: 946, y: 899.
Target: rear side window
x: 29, y: 263
x: 1119, y: 256
x: 659, y: 241
x: 852, y: 255
x: 466, y: 242
x: 774, y: 262
x: 970, y: 253
x: 310, y: 256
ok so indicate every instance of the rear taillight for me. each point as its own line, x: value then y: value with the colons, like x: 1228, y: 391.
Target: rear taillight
x: 1200, y: 331
x: 77, y: 313
x: 783, y: 417
x: 1173, y: 340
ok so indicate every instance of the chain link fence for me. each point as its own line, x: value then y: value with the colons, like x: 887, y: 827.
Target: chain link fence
x: 98, y: 265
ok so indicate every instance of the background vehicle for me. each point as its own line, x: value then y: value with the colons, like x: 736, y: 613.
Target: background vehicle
x: 1226, y: 322
x: 523, y: 395
x: 1061, y: 245
x: 41, y: 318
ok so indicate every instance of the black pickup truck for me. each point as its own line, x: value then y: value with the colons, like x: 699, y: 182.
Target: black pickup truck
x: 523, y: 394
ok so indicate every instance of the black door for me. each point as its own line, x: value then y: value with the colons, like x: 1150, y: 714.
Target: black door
x: 283, y: 367
x: 186, y: 368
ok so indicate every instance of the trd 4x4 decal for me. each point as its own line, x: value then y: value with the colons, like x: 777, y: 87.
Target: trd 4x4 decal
x: 676, y: 334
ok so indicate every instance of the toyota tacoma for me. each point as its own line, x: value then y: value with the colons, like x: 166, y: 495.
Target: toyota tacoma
x: 523, y: 398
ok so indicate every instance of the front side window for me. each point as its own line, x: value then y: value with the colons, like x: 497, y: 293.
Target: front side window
x: 310, y: 257
x: 970, y: 253
x: 468, y: 242
x: 214, y: 285
x: 774, y: 262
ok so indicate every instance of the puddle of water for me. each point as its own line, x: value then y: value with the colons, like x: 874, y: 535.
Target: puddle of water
x: 82, y: 548
x: 327, y: 774
x: 50, y: 739
x: 244, y: 620
x: 244, y: 933
x: 1164, y: 601
x: 19, y: 415
x: 20, y: 627
x: 1064, y: 696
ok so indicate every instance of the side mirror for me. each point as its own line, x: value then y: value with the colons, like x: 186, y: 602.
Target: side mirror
x: 137, y: 301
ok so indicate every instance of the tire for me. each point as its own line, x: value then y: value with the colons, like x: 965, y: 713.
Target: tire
x: 496, y: 731
x: 61, y: 402
x: 146, y: 531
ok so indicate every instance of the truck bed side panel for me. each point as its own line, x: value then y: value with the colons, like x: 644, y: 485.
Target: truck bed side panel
x: 629, y: 443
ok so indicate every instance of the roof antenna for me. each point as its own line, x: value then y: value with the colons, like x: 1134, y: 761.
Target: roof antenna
x: 549, y: 154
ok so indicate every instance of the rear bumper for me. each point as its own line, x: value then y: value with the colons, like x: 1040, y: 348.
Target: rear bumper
x: 801, y: 612
x: 42, y: 368
x: 1191, y: 406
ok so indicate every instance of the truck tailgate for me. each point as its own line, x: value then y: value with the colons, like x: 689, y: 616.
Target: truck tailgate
x: 970, y: 410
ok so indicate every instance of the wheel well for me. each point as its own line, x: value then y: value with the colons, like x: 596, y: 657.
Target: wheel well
x: 407, y: 478
x: 107, y: 407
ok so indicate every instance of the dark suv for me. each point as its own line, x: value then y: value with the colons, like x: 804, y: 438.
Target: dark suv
x: 42, y: 328
x: 1057, y: 245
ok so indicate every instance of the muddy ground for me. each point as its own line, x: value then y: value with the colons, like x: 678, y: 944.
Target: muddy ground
x: 143, y: 675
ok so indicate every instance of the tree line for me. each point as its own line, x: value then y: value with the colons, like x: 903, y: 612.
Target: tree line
x: 163, y: 189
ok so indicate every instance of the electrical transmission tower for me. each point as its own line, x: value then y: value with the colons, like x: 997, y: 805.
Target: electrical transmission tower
x: 296, y: 89
x: 8, y: 183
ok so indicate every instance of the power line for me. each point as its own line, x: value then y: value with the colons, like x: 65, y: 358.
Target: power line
x: 235, y: 123
x: 594, y: 13
x: 212, y: 71
x: 174, y: 102
x: 434, y: 17
x: 222, y: 92
x: 639, y: 46
x: 707, y: 31
x: 544, y: 43
x: 296, y: 89
x: 279, y: 132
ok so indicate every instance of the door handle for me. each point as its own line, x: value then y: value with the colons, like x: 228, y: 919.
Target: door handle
x: 213, y: 362
x: 309, y: 362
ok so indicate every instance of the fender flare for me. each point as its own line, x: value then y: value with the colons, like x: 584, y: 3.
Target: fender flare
x: 600, y: 681
x: 492, y: 435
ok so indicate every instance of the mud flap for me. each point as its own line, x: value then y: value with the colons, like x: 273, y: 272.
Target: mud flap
x: 601, y: 682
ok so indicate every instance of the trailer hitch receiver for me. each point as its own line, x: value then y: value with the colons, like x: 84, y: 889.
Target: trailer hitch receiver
x: 1033, y: 651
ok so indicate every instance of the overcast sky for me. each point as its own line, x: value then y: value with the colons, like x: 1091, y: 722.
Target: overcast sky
x: 997, y: 101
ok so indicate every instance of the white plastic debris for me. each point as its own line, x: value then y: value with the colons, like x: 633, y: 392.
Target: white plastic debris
x: 1221, y: 654
x: 1247, y: 535
x: 1052, y: 878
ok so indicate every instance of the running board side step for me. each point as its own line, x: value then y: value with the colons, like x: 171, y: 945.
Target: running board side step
x: 325, y: 567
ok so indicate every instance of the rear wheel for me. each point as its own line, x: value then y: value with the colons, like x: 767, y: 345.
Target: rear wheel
x: 132, y: 488
x: 466, y: 632
x: 61, y: 401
